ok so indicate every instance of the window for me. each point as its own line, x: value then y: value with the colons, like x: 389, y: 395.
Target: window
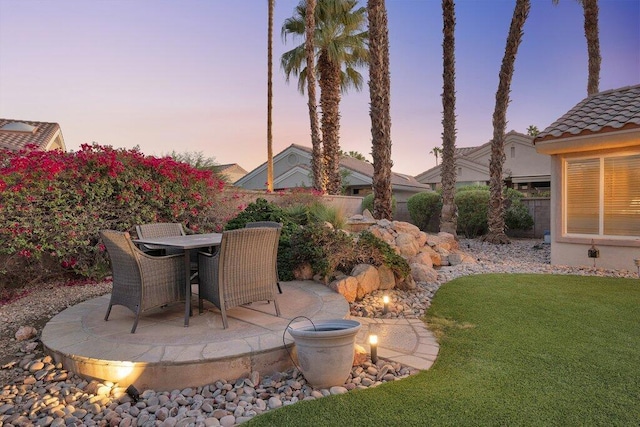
x: 513, y: 152
x: 602, y: 196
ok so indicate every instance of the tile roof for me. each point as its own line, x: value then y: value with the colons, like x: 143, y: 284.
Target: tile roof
x: 603, y: 112
x: 16, y: 136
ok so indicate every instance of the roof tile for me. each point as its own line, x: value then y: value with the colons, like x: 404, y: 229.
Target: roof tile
x: 16, y: 140
x: 604, y: 111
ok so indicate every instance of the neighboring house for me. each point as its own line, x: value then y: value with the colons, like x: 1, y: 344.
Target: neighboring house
x: 595, y: 180
x: 292, y: 168
x: 232, y: 172
x: 16, y: 134
x: 524, y: 169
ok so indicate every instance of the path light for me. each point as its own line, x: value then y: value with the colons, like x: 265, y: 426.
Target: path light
x: 385, y: 306
x: 373, y: 342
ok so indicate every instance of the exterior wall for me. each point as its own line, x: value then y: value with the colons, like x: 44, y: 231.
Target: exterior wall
x: 571, y: 251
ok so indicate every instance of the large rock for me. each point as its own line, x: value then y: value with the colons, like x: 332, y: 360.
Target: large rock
x: 25, y: 332
x: 303, y: 272
x: 383, y: 235
x: 347, y: 287
x: 455, y: 258
x: 406, y: 227
x: 360, y: 355
x: 406, y: 284
x: 422, y: 273
x: 407, y: 244
x: 423, y: 258
x: 368, y: 279
x: 387, y: 278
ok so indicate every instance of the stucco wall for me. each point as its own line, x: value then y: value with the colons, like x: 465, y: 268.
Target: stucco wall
x: 611, y: 257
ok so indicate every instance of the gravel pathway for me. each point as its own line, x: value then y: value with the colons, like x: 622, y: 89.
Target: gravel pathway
x: 38, y: 392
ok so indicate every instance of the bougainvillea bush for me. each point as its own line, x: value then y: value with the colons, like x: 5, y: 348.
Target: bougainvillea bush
x: 53, y: 205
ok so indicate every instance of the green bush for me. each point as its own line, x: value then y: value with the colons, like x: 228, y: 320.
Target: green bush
x: 517, y: 217
x: 473, y: 208
x: 422, y: 207
x: 380, y: 252
x: 367, y: 203
x: 53, y: 205
x: 262, y: 210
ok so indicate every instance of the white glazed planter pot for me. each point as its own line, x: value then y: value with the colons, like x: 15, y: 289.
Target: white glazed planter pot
x: 325, y: 352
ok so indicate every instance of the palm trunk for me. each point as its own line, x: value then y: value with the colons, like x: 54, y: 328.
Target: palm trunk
x: 316, y: 153
x: 270, y: 98
x: 496, y: 232
x: 379, y: 92
x: 448, y: 217
x: 330, y: 105
x: 593, y: 44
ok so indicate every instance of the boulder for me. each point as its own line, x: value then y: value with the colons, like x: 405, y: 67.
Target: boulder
x: 383, y: 235
x: 406, y: 283
x: 455, y: 258
x: 407, y: 244
x: 423, y: 258
x: 303, y: 272
x: 422, y: 273
x: 367, y: 216
x: 368, y: 279
x: 406, y: 227
x: 347, y: 287
x: 387, y: 278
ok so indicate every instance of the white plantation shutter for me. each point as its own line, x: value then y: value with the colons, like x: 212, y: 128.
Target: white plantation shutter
x: 582, y: 193
x: 622, y: 196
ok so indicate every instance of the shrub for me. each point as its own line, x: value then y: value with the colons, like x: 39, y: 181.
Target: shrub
x: 53, y: 205
x: 367, y: 203
x: 517, y: 217
x: 422, y: 207
x: 473, y: 208
x: 380, y: 252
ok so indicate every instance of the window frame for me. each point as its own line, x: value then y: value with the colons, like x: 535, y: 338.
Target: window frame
x: 600, y: 156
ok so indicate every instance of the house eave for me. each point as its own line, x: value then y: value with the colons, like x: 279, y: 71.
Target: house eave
x: 607, y: 140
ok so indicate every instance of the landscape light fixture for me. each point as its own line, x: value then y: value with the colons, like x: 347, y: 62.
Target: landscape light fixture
x: 385, y: 304
x: 373, y: 343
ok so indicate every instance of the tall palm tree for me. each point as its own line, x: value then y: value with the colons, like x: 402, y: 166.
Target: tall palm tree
x: 317, y: 164
x: 437, y: 151
x: 448, y: 217
x: 380, y: 93
x: 591, y: 33
x: 339, y: 42
x: 270, y: 97
x: 496, y: 224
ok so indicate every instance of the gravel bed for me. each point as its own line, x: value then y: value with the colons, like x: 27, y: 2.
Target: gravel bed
x: 38, y: 392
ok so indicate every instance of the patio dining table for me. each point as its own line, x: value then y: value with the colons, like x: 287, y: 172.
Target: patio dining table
x: 186, y: 243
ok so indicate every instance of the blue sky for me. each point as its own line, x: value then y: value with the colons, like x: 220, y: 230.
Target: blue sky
x: 190, y: 75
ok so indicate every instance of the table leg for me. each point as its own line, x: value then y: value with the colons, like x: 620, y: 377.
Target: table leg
x: 187, y: 296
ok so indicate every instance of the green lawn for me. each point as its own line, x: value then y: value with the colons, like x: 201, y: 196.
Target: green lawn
x: 515, y: 349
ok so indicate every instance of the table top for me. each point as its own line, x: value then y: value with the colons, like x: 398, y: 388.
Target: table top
x: 190, y: 241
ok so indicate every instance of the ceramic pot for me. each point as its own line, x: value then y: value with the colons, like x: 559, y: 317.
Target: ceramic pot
x: 325, y: 350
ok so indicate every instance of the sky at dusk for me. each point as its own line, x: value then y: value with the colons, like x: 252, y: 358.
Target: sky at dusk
x: 191, y: 75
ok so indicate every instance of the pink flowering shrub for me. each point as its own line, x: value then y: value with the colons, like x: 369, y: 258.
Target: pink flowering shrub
x: 53, y: 205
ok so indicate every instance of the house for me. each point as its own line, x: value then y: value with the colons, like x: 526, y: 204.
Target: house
x: 16, y: 134
x: 595, y: 180
x: 524, y: 169
x: 292, y: 168
x: 231, y: 172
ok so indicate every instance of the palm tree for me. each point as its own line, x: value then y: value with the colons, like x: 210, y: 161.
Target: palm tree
x: 591, y: 11
x: 339, y: 42
x: 437, y: 151
x: 379, y: 93
x: 270, y: 97
x: 533, y: 131
x: 496, y: 224
x: 448, y: 217
x: 317, y: 166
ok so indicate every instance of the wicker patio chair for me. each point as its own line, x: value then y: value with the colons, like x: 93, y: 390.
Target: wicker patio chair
x: 142, y: 282
x: 274, y: 224
x: 242, y: 271
x: 160, y: 229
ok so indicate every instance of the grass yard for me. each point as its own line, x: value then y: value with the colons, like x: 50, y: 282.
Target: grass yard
x: 516, y: 349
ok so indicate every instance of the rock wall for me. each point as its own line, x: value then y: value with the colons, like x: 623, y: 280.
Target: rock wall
x: 422, y: 251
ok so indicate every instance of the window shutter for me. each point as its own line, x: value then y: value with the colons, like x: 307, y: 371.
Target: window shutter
x: 622, y: 196
x: 582, y: 196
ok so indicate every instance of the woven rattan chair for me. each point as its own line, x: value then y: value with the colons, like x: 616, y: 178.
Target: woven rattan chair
x: 142, y: 282
x: 160, y: 229
x: 242, y: 271
x: 273, y: 224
